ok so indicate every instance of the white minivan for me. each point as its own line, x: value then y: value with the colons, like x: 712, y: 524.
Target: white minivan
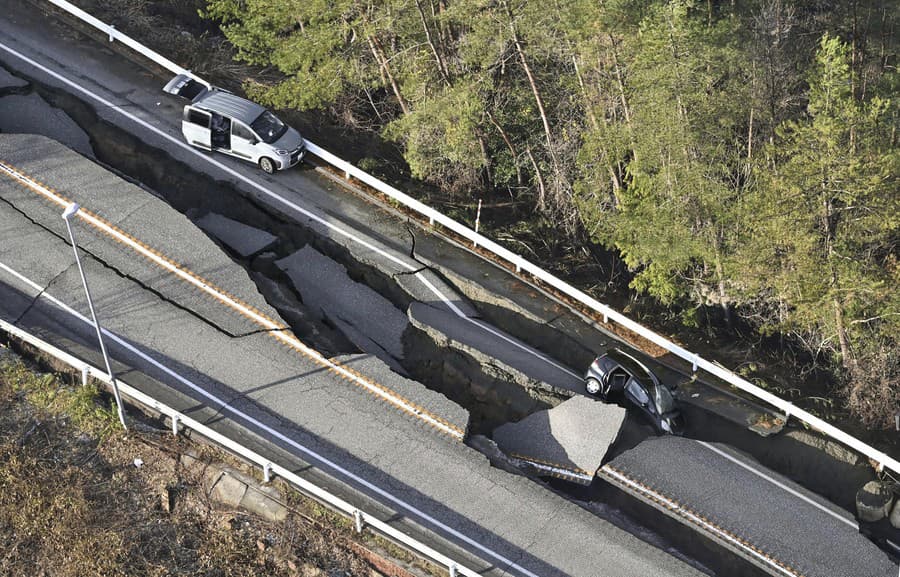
x: 218, y: 120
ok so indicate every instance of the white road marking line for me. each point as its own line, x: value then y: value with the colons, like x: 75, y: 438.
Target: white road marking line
x: 270, y: 431
x: 109, y: 105
x: 781, y: 485
x: 488, y: 328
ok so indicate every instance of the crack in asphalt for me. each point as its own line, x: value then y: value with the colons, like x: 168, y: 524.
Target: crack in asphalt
x: 137, y: 281
x: 259, y: 332
x: 412, y: 255
x: 43, y: 290
x: 537, y: 536
x: 411, y: 272
x: 552, y: 320
x: 16, y: 90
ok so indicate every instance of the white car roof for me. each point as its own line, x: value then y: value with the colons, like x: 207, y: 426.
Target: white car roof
x: 229, y: 105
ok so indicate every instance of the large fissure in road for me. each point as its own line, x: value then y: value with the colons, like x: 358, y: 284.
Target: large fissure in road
x: 492, y: 396
x: 486, y: 388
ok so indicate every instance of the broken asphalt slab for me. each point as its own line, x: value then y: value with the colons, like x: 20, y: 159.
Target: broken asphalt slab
x: 520, y: 363
x: 573, y: 436
x: 21, y: 112
x: 243, y: 239
x: 759, y: 508
x: 435, y: 403
x: 327, y: 289
x: 10, y: 83
x: 141, y: 215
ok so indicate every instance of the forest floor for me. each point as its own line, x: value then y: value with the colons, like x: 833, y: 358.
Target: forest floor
x: 81, y: 497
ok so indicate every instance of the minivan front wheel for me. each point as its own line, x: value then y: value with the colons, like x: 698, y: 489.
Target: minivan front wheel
x: 267, y: 165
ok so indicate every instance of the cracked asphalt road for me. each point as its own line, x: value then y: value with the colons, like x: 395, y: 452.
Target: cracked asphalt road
x: 808, y: 535
x: 272, y: 383
x: 309, y: 191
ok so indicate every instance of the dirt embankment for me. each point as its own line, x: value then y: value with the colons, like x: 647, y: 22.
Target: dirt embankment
x: 79, y: 497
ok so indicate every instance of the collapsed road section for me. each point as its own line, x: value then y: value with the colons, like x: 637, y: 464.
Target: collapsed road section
x: 422, y: 477
x: 206, y: 201
x: 727, y: 500
x: 569, y: 441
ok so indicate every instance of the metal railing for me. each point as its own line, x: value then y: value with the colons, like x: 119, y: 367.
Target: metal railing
x: 881, y: 460
x: 360, y: 518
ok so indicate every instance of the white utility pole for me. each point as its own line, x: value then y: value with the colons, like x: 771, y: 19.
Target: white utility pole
x: 70, y: 211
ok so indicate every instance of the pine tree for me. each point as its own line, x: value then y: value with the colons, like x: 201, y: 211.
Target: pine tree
x: 825, y: 220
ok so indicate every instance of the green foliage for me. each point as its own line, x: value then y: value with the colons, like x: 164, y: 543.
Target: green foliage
x: 727, y: 157
x: 48, y: 394
x: 319, y: 45
x: 824, y: 221
x: 684, y: 150
x: 439, y: 137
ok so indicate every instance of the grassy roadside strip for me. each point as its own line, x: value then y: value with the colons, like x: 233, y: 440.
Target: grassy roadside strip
x: 79, y: 497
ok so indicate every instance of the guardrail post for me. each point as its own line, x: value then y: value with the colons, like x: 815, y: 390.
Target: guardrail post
x: 453, y: 570
x: 477, y: 220
x: 85, y: 373
x: 267, y: 472
x: 112, y: 33
x: 694, y: 363
x: 175, y: 425
x: 358, y: 520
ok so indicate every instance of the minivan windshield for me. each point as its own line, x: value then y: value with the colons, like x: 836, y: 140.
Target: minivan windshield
x: 268, y: 127
x: 663, y: 399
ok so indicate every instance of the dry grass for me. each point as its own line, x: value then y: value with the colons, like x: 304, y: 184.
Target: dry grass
x: 72, y: 501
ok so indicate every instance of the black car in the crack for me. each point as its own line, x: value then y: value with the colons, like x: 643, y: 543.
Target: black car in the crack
x: 616, y: 375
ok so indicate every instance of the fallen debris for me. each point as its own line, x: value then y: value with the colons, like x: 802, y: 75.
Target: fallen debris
x: 569, y: 441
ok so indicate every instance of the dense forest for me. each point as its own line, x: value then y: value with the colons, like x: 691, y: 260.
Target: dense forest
x: 737, y: 155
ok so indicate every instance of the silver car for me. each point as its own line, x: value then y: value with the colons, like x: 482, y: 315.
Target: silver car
x: 218, y: 120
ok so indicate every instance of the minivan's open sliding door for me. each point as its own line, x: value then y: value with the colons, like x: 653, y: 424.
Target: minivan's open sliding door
x: 195, y: 125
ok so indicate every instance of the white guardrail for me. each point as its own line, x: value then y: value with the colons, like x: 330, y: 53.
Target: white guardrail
x: 881, y: 460
x: 361, y: 519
